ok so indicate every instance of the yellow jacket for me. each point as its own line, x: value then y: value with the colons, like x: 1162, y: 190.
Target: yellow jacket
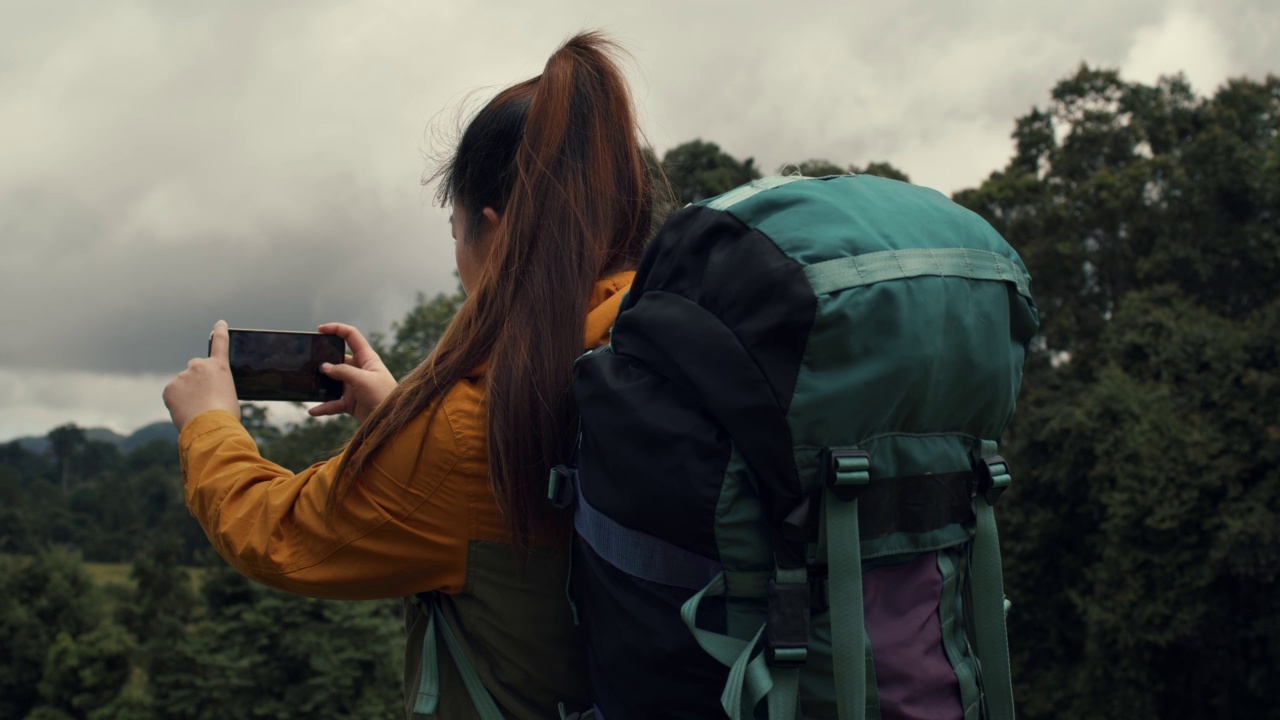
x: 399, y: 531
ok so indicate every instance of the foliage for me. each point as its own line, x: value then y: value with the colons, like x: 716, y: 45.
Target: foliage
x: 43, y: 599
x: 416, y: 335
x: 162, y: 602
x: 1143, y: 535
x: 823, y: 168
x: 698, y: 170
x: 265, y: 654
x: 86, y: 672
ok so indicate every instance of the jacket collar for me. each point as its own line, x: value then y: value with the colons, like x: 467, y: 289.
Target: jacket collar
x: 602, y: 307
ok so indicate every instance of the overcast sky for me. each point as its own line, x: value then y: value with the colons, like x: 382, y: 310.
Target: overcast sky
x: 165, y: 164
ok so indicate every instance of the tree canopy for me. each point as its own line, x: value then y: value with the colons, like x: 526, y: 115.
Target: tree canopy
x: 1143, y: 537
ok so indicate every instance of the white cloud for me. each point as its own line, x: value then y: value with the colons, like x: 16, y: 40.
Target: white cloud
x: 37, y: 401
x: 1185, y: 39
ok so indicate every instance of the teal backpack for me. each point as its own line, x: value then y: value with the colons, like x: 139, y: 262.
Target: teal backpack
x: 784, y: 488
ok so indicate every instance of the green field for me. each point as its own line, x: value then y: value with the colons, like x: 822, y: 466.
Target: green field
x: 105, y: 574
x: 117, y: 574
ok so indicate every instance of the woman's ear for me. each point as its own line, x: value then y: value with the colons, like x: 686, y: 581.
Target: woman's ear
x: 492, y: 217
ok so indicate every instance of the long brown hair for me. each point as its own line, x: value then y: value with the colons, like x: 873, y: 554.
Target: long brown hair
x: 559, y: 157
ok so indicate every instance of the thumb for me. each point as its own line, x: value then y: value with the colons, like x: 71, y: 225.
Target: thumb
x: 219, y: 341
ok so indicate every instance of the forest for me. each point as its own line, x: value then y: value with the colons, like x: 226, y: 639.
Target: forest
x: 1141, y: 535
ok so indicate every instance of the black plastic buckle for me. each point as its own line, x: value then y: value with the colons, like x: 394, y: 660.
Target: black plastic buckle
x: 560, y: 490
x: 801, y: 524
x: 786, y: 633
x: 993, y: 478
x: 848, y: 472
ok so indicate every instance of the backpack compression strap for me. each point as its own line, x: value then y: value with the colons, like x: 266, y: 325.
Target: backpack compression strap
x: 750, y: 678
x: 429, y: 687
x: 988, y: 587
x: 848, y: 474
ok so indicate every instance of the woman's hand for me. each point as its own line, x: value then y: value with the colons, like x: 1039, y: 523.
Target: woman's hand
x: 366, y: 381
x: 205, y: 385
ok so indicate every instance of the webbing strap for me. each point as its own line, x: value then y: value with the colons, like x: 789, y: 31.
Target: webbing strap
x: 640, y: 554
x: 988, y: 616
x: 429, y: 675
x: 750, y: 679
x: 429, y: 701
x: 738, y: 194
x: 844, y: 557
x: 784, y: 701
x: 851, y: 272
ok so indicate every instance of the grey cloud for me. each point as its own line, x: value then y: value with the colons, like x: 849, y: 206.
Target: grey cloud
x: 166, y: 164
x: 147, y: 306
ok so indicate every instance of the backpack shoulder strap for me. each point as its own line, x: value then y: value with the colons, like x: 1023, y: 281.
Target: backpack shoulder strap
x: 429, y: 688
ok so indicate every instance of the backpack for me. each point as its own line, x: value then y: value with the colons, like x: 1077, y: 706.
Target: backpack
x: 787, y: 463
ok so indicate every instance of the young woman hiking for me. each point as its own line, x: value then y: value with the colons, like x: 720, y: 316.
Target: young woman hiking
x: 440, y: 496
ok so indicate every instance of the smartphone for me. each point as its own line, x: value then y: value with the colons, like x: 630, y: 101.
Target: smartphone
x: 282, y: 365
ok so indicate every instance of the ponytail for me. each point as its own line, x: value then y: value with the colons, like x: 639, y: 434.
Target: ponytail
x: 559, y: 157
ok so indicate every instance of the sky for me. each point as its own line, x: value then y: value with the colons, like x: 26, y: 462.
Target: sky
x: 165, y: 164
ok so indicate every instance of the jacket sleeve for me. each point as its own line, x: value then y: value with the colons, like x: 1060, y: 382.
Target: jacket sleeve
x: 402, y: 529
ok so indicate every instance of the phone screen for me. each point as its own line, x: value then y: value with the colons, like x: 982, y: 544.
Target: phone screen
x: 274, y: 365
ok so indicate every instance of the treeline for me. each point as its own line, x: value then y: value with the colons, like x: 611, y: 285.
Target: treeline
x: 107, y: 504
x: 162, y: 649
x: 1141, y: 535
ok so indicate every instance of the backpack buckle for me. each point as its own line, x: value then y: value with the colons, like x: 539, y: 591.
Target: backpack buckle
x: 993, y: 478
x: 560, y: 486
x: 786, y: 634
x: 848, y: 472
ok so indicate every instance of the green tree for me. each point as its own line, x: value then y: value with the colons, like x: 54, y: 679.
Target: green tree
x: 823, y: 168
x: 163, y: 601
x: 698, y: 170
x: 311, y: 441
x: 257, y: 424
x: 1142, y: 550
x: 414, y: 337
x: 260, y: 653
x: 42, y: 597
x: 95, y: 459
x: 65, y: 443
x: 84, y: 673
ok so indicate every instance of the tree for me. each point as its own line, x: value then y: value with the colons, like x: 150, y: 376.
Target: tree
x: 414, y: 337
x: 823, y: 168
x: 84, y: 673
x: 311, y: 441
x: 1142, y: 550
x: 260, y: 653
x: 162, y: 602
x: 65, y: 443
x: 94, y: 459
x: 698, y: 170
x: 256, y: 423
x: 42, y: 597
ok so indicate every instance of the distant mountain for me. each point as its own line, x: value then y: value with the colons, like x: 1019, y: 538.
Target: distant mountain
x: 161, y: 430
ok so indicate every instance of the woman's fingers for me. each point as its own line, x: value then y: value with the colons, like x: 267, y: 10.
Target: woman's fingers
x: 333, y: 407
x: 363, y: 389
x: 349, y: 374
x: 363, y: 353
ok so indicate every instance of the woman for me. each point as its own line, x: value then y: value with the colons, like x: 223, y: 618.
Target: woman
x: 442, y: 490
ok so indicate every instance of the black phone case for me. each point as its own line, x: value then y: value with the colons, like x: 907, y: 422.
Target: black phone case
x: 303, y: 384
